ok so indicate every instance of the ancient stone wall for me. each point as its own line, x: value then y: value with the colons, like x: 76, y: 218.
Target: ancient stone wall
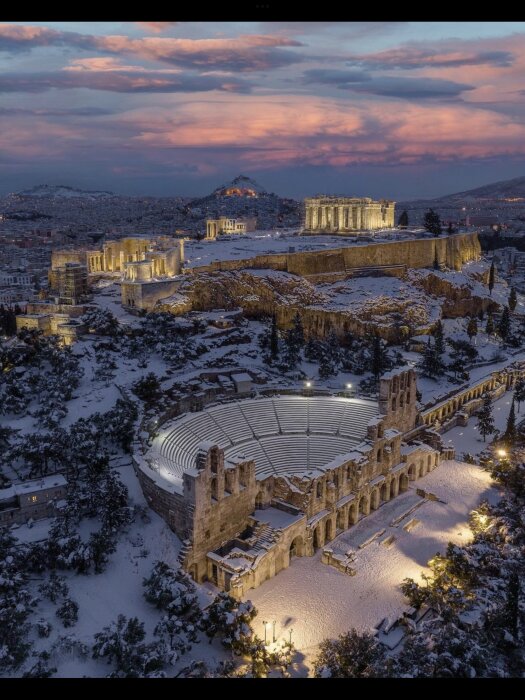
x: 452, y: 251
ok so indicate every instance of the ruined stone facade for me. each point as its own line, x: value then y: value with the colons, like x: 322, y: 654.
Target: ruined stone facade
x: 164, y: 254
x: 241, y: 524
x: 225, y: 226
x: 347, y: 215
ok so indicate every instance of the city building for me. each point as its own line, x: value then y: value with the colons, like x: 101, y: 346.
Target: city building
x: 31, y: 500
x: 347, y: 215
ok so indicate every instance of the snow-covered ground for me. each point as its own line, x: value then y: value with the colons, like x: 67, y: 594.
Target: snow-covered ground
x: 317, y: 601
x: 118, y: 590
x: 468, y: 439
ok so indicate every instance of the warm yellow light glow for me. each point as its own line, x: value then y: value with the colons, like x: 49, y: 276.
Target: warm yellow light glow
x: 349, y: 385
x: 502, y: 453
x: 308, y: 385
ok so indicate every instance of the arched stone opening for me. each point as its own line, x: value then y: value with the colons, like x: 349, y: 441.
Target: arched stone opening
x: 297, y: 547
x: 364, y: 505
x: 394, y: 487
x: 412, y: 472
x: 317, y: 538
x: 403, y: 483
x: 385, y: 492
x: 214, y: 489
x: 374, y: 501
x: 352, y: 515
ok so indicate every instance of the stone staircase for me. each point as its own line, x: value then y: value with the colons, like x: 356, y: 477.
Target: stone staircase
x: 263, y: 537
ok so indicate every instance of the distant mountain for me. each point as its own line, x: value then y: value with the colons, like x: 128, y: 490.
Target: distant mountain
x: 504, y: 190
x: 241, y: 186
x: 60, y: 192
x: 245, y: 198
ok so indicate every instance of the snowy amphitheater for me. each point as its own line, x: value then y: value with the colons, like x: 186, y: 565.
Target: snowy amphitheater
x: 248, y: 485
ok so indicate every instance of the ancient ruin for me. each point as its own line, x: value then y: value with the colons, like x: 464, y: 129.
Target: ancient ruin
x: 248, y: 485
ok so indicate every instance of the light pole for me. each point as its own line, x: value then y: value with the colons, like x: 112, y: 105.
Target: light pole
x: 274, y: 640
x: 307, y: 387
x: 265, y: 624
x: 349, y: 389
x: 291, y: 630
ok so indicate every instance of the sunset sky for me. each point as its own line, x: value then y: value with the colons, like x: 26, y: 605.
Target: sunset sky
x: 400, y: 110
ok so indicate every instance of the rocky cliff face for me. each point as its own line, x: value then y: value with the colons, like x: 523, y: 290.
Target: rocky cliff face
x: 460, y: 298
x: 393, y: 308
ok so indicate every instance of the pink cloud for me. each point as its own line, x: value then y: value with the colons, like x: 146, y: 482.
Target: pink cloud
x: 156, y: 27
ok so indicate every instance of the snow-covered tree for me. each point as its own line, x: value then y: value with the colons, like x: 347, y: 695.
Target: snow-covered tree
x: 122, y: 644
x: 171, y: 590
x: 352, y: 655
x: 430, y: 365
x: 230, y: 619
x: 54, y: 588
x: 489, y: 327
x: 68, y: 612
x: 101, y: 321
x: 485, y: 418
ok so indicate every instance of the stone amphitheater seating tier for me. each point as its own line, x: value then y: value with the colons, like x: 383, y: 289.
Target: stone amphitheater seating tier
x: 283, y: 435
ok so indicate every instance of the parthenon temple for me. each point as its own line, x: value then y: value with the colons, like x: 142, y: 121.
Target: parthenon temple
x: 344, y: 215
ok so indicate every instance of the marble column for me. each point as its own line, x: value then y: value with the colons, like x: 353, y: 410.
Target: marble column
x: 341, y: 218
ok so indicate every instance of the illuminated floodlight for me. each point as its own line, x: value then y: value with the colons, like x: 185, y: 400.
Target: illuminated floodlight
x: 502, y: 453
x: 308, y: 384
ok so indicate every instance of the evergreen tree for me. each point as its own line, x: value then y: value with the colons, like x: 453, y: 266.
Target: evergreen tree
x: 353, y: 655
x: 294, y: 339
x: 402, y: 222
x: 439, y: 340
x: 489, y: 328
x: 378, y: 357
x: 519, y: 391
x: 430, y: 365
x: 274, y: 340
x: 432, y: 222
x: 472, y: 328
x: 148, y: 388
x: 510, y: 431
x: 513, y: 299
x: 327, y: 367
x: 492, y: 275
x: 485, y: 418
x: 504, y: 324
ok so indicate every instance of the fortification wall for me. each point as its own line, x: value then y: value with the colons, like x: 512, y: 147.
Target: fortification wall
x: 452, y: 251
